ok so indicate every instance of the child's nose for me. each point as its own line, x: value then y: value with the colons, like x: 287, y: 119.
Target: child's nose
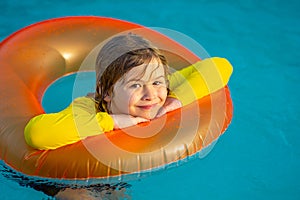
x: 149, y: 92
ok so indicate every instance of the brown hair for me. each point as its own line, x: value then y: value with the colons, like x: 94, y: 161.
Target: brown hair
x: 116, y: 58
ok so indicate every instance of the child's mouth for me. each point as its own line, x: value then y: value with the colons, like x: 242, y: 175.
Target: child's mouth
x: 147, y: 107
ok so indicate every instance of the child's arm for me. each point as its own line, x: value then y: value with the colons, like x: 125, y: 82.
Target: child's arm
x: 170, y: 104
x: 125, y: 120
x: 78, y: 121
x: 200, y: 79
x: 196, y: 81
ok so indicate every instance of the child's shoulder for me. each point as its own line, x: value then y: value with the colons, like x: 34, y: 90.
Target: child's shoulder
x: 84, y: 103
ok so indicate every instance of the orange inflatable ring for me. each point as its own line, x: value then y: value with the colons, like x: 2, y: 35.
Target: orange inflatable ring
x: 32, y: 58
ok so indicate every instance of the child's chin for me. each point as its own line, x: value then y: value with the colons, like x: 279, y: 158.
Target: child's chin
x: 148, y: 116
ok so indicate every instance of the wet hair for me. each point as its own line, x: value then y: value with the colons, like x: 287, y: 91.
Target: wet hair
x: 118, y: 56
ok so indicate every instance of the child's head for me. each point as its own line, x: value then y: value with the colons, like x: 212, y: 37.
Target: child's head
x: 131, y: 77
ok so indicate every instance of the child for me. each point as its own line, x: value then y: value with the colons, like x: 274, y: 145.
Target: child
x: 132, y: 86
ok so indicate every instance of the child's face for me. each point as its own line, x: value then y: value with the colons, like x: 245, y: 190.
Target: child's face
x: 141, y: 92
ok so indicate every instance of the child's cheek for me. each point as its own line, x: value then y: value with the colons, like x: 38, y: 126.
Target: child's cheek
x: 134, y: 97
x: 163, y: 93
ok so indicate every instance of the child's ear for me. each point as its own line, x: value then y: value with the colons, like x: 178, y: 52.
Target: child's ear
x: 107, y: 98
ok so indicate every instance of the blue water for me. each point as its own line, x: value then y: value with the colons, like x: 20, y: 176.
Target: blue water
x: 259, y: 155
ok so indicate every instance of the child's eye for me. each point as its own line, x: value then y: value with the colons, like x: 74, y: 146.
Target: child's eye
x: 135, y: 85
x: 158, y: 83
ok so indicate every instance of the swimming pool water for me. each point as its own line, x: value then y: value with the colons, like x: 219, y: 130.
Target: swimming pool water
x: 258, y: 157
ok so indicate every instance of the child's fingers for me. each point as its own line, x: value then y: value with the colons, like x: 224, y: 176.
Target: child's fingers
x: 161, y: 112
x: 140, y: 120
x: 123, y: 121
x: 171, y: 104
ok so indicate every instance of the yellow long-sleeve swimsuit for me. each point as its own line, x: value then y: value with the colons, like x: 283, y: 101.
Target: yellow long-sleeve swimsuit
x: 80, y: 119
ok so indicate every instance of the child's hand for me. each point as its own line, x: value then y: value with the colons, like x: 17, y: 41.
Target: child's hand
x: 170, y: 104
x: 123, y: 120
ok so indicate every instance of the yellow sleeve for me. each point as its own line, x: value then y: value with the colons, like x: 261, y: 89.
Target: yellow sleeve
x: 78, y: 121
x: 200, y: 79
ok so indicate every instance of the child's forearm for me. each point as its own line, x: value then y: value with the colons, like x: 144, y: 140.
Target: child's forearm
x: 50, y: 131
x: 200, y: 79
x: 78, y: 121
